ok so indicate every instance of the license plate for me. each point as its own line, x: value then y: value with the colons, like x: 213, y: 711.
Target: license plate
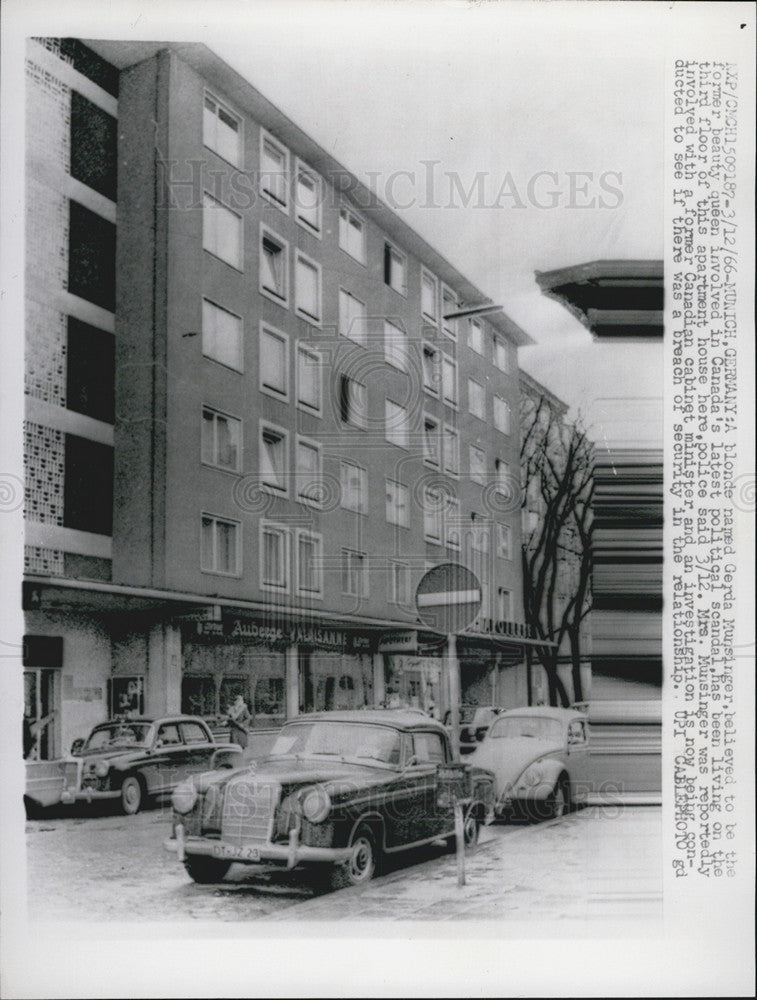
x: 240, y: 853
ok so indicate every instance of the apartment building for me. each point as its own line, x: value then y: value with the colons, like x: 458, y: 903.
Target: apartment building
x: 254, y: 420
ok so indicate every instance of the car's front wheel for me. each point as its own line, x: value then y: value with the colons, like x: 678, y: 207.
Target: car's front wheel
x: 206, y: 870
x: 360, y: 866
x: 558, y: 802
x: 131, y: 795
x: 471, y: 828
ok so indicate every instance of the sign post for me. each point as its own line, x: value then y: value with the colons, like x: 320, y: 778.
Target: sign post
x: 448, y: 599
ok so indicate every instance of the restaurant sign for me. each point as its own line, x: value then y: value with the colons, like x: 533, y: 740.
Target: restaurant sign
x: 241, y: 629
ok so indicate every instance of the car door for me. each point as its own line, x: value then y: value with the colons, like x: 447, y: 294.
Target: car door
x: 169, y: 759
x: 430, y: 750
x: 199, y: 747
x: 578, y: 758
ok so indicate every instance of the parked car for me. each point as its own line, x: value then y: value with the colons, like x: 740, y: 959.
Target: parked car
x: 474, y: 724
x: 540, y: 760
x: 139, y: 759
x: 338, y: 788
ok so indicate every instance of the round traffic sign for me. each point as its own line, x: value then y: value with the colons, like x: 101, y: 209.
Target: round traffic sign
x: 448, y: 597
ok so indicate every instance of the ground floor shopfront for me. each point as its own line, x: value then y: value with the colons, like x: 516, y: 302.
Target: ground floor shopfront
x: 91, y: 654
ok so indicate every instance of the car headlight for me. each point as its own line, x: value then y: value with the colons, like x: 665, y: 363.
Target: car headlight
x: 315, y: 804
x: 101, y: 768
x: 184, y: 797
x: 532, y: 775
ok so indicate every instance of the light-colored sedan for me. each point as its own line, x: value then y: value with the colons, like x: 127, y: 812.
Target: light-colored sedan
x: 540, y: 759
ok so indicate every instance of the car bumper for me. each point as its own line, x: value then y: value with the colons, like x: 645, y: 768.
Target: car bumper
x: 292, y: 853
x: 69, y: 795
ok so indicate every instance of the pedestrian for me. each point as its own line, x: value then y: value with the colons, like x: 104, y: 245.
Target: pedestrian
x: 239, y: 719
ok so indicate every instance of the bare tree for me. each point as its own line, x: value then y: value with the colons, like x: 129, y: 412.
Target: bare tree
x: 557, y: 489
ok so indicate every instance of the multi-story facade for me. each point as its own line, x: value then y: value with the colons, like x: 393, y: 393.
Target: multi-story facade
x: 253, y: 420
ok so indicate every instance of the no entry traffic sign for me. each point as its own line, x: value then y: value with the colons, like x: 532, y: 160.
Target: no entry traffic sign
x: 448, y: 597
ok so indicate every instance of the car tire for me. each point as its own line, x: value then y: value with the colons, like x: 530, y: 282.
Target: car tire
x: 362, y: 863
x: 132, y: 795
x: 558, y: 803
x: 206, y: 871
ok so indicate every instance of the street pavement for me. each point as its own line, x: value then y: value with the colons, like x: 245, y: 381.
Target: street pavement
x: 596, y: 864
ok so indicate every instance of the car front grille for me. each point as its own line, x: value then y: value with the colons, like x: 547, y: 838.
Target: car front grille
x: 71, y: 774
x: 248, y: 812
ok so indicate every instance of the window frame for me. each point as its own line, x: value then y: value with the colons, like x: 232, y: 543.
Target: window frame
x: 317, y: 447
x: 209, y: 95
x: 391, y: 248
x: 507, y: 412
x: 352, y: 215
x: 448, y: 360
x: 214, y: 252
x: 427, y: 275
x: 474, y: 321
x: 450, y: 429
x: 240, y: 328
x: 449, y: 327
x: 267, y: 233
x: 273, y: 199
x: 499, y: 341
x: 404, y: 427
x: 318, y: 538
x: 479, y: 477
x: 393, y: 597
x: 267, y: 426
x: 363, y: 587
x: 268, y: 329
x: 501, y: 464
x: 473, y: 413
x: 304, y: 348
x: 222, y: 519
x: 300, y: 167
x: 284, y: 532
x: 205, y: 408
x: 301, y: 257
x: 504, y: 549
x: 363, y: 318
x: 437, y: 512
x: 405, y: 506
x: 434, y: 463
x: 501, y: 591
x: 451, y: 514
x: 402, y: 342
x: 362, y: 422
x: 363, y: 504
x: 429, y: 348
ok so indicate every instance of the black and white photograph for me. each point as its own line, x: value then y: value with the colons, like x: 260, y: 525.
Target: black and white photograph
x: 377, y: 498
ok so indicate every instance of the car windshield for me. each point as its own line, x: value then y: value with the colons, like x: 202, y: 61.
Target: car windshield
x: 119, y: 734
x: 537, y: 726
x: 357, y: 741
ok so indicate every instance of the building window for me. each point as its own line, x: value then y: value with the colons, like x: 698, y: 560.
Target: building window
x: 399, y: 583
x: 353, y: 481
x: 351, y: 234
x: 429, y: 297
x: 501, y: 415
x: 308, y: 379
x: 221, y: 231
x: 308, y: 470
x: 307, y: 199
x: 91, y: 257
x: 433, y: 506
x: 452, y: 523
x: 449, y: 380
x: 274, y: 277
x: 274, y: 557
x: 273, y: 458
x: 93, y: 146
x: 354, y: 573
x: 449, y: 305
x: 501, y: 359
x: 90, y: 371
x: 222, y: 336
x: 397, y: 511
x: 504, y: 607
x: 451, y: 450
x: 431, y: 441
x: 273, y: 171
x: 502, y: 473
x: 504, y: 538
x: 221, y: 130
x: 396, y: 349
x: 352, y: 401
x: 309, y: 563
x: 475, y: 335
x: 307, y: 288
x: 395, y: 417
x: 88, y: 478
x: 476, y: 399
x: 395, y: 269
x: 221, y: 439
x: 274, y: 362
x: 477, y: 465
x: 219, y: 550
x: 431, y: 369
x: 352, y: 321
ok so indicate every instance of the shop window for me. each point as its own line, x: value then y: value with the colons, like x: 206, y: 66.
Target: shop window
x: 93, y: 146
x: 90, y: 371
x: 198, y: 696
x: 127, y: 696
x: 40, y: 732
x: 91, y: 257
x: 346, y: 683
x: 269, y: 696
x: 231, y: 687
x: 88, y: 492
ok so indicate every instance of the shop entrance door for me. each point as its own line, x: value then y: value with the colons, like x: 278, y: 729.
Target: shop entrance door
x: 41, y: 728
